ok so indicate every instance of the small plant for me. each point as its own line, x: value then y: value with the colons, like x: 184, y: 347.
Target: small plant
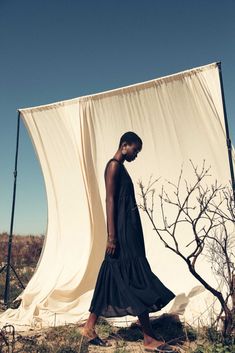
x: 210, y: 340
x: 214, y: 348
x: 190, y: 332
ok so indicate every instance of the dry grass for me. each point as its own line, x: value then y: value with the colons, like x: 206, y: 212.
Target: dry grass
x: 67, y: 339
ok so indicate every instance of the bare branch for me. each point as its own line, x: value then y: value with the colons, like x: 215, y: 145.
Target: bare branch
x: 214, y: 206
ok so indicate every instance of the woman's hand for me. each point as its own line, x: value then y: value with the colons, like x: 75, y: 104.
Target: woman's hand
x: 111, y: 246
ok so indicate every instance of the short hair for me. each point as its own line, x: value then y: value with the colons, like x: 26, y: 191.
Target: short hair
x: 130, y: 137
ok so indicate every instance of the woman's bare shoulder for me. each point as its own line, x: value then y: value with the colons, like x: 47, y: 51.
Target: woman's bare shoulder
x: 113, y: 167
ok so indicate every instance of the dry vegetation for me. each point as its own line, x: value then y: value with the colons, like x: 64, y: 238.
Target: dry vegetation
x: 67, y: 339
x: 25, y: 249
x: 25, y: 254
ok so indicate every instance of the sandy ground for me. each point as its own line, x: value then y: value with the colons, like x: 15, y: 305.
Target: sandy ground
x: 122, y: 340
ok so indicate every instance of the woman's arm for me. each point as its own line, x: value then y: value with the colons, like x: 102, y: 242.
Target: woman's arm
x: 111, y: 179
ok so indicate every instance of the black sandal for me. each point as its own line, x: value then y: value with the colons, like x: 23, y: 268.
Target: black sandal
x: 94, y: 340
x: 97, y: 341
x: 163, y: 348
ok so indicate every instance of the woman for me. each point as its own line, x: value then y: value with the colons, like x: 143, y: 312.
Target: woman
x: 125, y: 284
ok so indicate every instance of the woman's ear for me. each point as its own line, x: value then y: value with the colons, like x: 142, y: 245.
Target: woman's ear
x: 123, y: 149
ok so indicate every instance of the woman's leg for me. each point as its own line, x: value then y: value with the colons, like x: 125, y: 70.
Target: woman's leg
x: 91, y: 321
x: 88, y: 329
x: 150, y: 339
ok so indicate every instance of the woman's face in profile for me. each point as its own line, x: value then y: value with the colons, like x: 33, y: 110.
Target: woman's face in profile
x: 132, y: 151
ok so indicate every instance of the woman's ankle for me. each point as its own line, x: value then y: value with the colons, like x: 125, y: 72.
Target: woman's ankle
x: 147, y: 339
x: 150, y: 338
x: 88, y: 326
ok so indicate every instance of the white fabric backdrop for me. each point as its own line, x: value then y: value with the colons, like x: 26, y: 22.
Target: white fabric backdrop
x: 178, y: 117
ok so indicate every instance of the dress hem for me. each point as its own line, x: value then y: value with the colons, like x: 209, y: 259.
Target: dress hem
x: 151, y: 309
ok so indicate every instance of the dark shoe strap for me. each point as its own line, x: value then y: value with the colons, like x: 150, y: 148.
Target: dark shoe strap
x: 164, y: 348
x: 97, y: 341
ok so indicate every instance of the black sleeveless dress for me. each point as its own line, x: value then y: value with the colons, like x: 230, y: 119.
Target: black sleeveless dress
x: 125, y: 284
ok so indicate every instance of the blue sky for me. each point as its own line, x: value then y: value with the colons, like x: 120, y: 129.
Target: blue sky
x: 52, y: 50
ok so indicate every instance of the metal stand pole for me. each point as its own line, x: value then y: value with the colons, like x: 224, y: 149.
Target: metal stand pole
x: 8, y: 264
x: 227, y: 131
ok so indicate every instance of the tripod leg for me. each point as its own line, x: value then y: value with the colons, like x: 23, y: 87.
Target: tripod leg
x: 19, y: 280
